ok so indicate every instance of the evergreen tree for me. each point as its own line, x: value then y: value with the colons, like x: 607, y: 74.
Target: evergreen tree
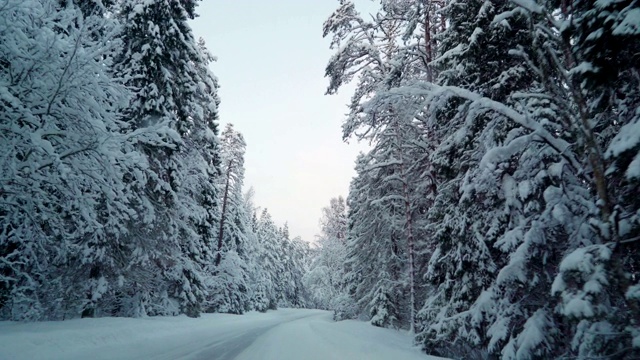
x: 296, y: 294
x: 386, y: 53
x: 270, y: 265
x: 324, y: 280
x: 229, y: 284
x: 473, y: 53
x: 375, y: 255
x: 161, y: 62
x: 529, y: 230
x: 111, y: 197
x: 250, y: 249
x: 232, y: 167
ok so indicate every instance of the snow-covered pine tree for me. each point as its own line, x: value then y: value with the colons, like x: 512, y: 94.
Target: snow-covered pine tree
x: 276, y: 269
x: 518, y: 139
x: 232, y: 149
x: 392, y: 49
x: 466, y: 217
x: 172, y: 97
x: 229, y: 289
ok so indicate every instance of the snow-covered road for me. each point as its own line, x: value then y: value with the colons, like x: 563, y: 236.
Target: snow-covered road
x: 277, y: 335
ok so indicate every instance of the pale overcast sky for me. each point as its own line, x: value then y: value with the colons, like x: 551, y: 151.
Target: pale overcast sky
x: 271, y: 60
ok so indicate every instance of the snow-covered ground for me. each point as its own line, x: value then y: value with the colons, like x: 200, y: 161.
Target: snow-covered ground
x: 283, y: 334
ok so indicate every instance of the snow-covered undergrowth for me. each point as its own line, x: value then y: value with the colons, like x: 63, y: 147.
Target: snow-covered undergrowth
x: 283, y: 334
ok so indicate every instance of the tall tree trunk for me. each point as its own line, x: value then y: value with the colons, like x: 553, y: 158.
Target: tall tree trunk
x: 427, y: 40
x: 409, y: 231
x: 410, y: 245
x: 223, y: 215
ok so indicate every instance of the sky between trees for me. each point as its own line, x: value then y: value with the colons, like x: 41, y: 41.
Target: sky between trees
x: 271, y: 62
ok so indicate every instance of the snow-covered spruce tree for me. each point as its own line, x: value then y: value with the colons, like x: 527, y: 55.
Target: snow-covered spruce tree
x: 324, y: 280
x: 394, y: 185
x: 284, y: 280
x: 285, y: 283
x: 269, y: 264
x: 593, y: 80
x: 276, y: 267
x: 465, y: 137
x: 375, y: 257
x: 199, y: 191
x: 228, y: 292
x: 249, y: 251
x: 476, y: 165
x: 171, y: 109
x: 536, y: 158
x: 468, y: 214
x: 64, y: 205
x: 295, y: 292
x: 565, y: 202
x: 518, y: 174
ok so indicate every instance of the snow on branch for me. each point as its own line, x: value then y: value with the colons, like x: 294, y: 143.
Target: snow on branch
x: 434, y: 97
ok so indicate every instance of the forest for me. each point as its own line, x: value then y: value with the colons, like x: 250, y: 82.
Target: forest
x: 496, y: 214
x: 119, y: 196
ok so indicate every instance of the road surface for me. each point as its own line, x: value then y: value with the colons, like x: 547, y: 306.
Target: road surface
x: 277, y: 335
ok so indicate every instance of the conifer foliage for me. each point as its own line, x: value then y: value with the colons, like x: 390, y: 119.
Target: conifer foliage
x: 229, y: 269
x: 117, y: 197
x: 496, y: 196
x: 324, y: 278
